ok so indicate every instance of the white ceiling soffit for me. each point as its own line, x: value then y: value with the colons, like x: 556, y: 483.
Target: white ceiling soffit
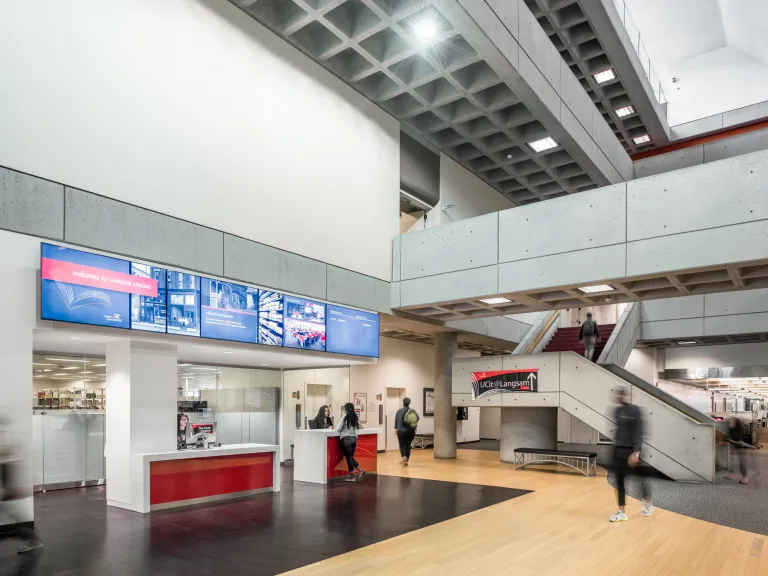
x: 446, y: 94
x: 86, y: 343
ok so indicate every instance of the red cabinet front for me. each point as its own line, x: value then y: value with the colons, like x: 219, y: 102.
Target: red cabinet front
x: 367, y: 448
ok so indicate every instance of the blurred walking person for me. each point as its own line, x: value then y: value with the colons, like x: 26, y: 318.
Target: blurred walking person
x: 347, y: 428
x: 588, y: 335
x: 12, y: 492
x: 626, y: 453
x: 738, y: 448
x: 406, y: 422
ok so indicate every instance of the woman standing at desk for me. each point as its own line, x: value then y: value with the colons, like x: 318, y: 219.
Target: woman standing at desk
x: 323, y: 420
x: 347, y: 429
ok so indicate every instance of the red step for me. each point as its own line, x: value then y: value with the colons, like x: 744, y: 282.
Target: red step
x: 567, y: 340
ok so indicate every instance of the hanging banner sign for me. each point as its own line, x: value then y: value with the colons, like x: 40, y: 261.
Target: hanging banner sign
x: 522, y: 380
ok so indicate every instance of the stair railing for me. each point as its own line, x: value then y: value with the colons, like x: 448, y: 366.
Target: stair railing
x: 623, y: 338
x: 538, y: 336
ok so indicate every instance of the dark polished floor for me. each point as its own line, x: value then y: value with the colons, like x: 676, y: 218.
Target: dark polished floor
x: 266, y: 534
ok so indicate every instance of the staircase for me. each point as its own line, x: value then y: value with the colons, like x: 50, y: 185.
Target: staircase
x: 567, y: 340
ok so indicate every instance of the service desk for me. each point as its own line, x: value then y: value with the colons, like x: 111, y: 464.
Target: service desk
x: 184, y: 477
x: 317, y: 455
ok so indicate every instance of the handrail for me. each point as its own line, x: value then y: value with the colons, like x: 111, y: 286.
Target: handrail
x: 532, y: 346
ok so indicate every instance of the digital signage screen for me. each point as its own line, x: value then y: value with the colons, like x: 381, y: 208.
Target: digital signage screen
x: 183, y: 303
x: 228, y: 311
x: 304, y: 324
x: 149, y: 313
x: 352, y: 331
x: 271, y: 318
x: 88, y: 288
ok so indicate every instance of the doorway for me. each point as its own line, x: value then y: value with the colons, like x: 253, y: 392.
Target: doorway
x: 318, y: 395
x: 394, y: 403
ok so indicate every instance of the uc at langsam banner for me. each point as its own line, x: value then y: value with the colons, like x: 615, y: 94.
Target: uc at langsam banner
x: 520, y: 380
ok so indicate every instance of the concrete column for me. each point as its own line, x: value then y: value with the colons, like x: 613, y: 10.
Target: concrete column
x: 141, y: 411
x: 445, y: 414
x: 527, y: 428
x: 19, y: 268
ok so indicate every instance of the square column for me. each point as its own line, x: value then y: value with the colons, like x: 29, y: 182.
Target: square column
x: 445, y: 413
x: 141, y: 412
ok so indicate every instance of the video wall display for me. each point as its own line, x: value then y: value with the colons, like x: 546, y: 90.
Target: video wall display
x: 87, y: 288
x: 149, y: 313
x: 271, y: 319
x: 304, y: 324
x: 183, y: 303
x: 352, y: 331
x: 229, y: 311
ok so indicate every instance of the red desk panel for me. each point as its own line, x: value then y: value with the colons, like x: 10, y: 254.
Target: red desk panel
x: 367, y: 449
x: 177, y: 480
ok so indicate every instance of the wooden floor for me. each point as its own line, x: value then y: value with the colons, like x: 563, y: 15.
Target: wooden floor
x: 561, y: 528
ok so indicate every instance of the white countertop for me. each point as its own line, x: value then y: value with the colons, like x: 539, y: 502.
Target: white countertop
x: 330, y: 433
x: 228, y: 450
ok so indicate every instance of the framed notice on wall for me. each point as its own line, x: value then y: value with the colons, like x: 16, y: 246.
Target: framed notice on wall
x: 429, y: 401
x: 360, y: 400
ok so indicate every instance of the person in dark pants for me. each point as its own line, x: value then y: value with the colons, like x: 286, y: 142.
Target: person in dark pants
x: 347, y: 428
x: 736, y: 439
x: 626, y: 453
x: 589, y: 334
x: 406, y: 421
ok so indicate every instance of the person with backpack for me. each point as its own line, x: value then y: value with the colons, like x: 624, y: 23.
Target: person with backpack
x: 589, y: 334
x: 406, y: 422
x: 347, y: 429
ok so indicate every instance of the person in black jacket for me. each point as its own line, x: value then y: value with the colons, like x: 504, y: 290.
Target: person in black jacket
x: 405, y: 432
x: 588, y: 335
x: 323, y: 420
x: 626, y: 453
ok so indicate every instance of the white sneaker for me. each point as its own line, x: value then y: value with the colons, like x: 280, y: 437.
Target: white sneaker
x: 647, y: 509
x: 619, y: 517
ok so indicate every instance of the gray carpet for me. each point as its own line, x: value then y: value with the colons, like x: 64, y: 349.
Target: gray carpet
x: 726, y: 502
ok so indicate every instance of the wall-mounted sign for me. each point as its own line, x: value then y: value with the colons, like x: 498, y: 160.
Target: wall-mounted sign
x: 522, y: 380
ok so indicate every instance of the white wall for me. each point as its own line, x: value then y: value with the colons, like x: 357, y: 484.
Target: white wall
x: 642, y: 363
x: 712, y: 83
x: 191, y: 108
x: 718, y: 356
x: 470, y: 195
x: 490, y: 423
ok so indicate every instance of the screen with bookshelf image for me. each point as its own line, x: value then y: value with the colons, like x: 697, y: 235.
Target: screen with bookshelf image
x: 183, y: 303
x: 149, y: 313
x: 304, y: 324
x: 229, y: 311
x: 271, y: 318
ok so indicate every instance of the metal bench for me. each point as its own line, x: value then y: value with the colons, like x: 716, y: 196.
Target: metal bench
x: 584, y: 462
x: 423, y: 441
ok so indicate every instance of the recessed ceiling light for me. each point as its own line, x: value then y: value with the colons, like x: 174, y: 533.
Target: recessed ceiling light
x: 626, y: 111
x: 642, y: 139
x: 598, y: 288
x: 41, y: 364
x: 265, y: 364
x: 604, y: 76
x: 70, y: 367
x: 47, y: 370
x: 100, y: 365
x: 544, y: 144
x: 426, y: 30
x: 687, y: 342
x: 67, y: 360
x: 499, y: 300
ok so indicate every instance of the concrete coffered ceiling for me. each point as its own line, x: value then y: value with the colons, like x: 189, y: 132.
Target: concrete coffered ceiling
x: 447, y: 92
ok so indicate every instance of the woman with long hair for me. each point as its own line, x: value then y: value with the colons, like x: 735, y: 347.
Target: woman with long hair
x: 347, y: 428
x: 323, y: 420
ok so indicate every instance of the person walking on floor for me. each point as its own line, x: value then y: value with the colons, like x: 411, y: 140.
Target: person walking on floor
x: 626, y: 453
x: 588, y: 335
x: 347, y: 428
x: 406, y: 421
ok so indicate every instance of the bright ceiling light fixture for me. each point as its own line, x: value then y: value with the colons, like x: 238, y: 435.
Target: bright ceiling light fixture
x: 604, y: 76
x: 598, y: 288
x: 544, y: 144
x: 642, y: 139
x: 499, y: 300
x: 425, y: 30
x: 626, y: 111
x: 684, y: 342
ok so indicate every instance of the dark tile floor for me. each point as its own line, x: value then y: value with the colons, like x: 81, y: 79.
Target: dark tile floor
x: 266, y: 534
